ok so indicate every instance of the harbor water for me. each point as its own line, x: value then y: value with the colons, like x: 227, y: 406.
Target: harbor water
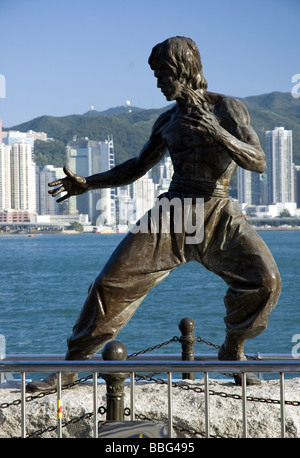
x: 44, y: 281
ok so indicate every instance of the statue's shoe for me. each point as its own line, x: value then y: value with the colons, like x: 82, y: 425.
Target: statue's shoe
x: 251, y: 379
x: 50, y: 383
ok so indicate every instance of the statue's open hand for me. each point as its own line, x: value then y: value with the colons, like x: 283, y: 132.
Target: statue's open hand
x: 72, y: 184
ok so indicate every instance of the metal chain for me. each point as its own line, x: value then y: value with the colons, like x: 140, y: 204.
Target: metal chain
x: 192, y: 432
x: 207, y: 342
x: 102, y: 409
x: 167, y: 342
x: 222, y: 394
x: 173, y: 339
x: 74, y: 420
x: 199, y: 339
x: 127, y: 412
x: 30, y: 398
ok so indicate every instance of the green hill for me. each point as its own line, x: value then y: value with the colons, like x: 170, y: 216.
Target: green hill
x: 274, y: 110
x: 131, y: 129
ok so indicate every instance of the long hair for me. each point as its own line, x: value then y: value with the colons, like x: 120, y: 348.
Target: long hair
x: 181, y: 56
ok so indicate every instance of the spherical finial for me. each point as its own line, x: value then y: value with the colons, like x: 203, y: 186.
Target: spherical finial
x: 186, y: 325
x: 114, y: 351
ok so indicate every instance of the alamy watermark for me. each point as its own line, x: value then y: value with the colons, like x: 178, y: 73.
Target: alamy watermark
x: 2, y: 87
x: 176, y: 216
x: 2, y: 346
x: 296, y: 347
x: 296, y: 88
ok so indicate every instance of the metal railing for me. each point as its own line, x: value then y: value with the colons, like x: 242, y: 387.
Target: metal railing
x: 170, y: 366
x: 115, y: 372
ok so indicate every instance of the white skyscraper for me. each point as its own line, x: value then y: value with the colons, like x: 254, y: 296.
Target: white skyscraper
x: 279, y: 152
x: 244, y: 186
x: 143, y: 194
x: 165, y: 173
x: 14, y: 136
x: 5, y: 179
x: 23, y: 177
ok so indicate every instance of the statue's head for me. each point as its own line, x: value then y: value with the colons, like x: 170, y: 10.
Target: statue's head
x: 180, y: 56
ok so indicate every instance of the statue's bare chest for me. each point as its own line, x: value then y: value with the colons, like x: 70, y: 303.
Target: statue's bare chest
x: 193, y: 153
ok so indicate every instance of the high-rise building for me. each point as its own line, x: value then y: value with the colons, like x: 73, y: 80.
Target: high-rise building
x: 279, y: 153
x: 22, y: 171
x: 165, y: 173
x: 20, y: 179
x: 143, y: 192
x: 270, y: 193
x: 297, y: 184
x: 103, y: 201
x: 46, y: 204
x: 85, y: 158
x: 250, y: 187
x: 77, y: 160
x: 23, y: 177
x: 134, y: 200
x: 5, y: 178
x: 14, y: 136
x: 244, y: 186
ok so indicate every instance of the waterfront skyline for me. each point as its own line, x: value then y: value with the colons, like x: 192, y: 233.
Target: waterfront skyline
x: 63, y: 57
x: 85, y: 157
x: 24, y: 188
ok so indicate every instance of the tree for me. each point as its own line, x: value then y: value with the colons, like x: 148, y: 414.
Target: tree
x: 50, y: 152
x: 284, y: 214
x: 76, y: 226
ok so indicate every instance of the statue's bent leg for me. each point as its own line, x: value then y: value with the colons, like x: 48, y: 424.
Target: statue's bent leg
x: 254, y: 288
x: 138, y: 264
x: 240, y: 256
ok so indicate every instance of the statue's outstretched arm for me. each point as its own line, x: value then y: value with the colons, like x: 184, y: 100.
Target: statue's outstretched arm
x: 120, y: 175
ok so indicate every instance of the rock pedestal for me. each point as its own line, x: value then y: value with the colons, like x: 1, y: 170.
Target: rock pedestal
x: 152, y: 404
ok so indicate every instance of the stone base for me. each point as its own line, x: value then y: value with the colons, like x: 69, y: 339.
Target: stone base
x: 152, y: 403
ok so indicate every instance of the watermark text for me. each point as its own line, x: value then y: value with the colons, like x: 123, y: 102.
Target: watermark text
x: 296, y: 88
x: 177, y: 216
x: 296, y: 347
x: 2, y: 87
x: 167, y: 216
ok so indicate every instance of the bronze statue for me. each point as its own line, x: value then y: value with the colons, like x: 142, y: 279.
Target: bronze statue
x: 208, y: 136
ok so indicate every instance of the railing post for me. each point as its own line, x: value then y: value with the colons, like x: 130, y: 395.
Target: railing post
x: 187, y: 340
x: 114, y: 351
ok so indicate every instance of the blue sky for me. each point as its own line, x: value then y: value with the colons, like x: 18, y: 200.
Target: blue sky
x: 59, y: 57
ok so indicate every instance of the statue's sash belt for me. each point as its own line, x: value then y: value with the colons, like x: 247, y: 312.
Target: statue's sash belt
x: 199, y: 188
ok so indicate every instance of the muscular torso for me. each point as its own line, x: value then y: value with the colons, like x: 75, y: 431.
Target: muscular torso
x: 197, y: 156
x: 205, y: 145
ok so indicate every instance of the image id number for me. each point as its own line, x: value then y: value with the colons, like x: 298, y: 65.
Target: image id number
x: 166, y: 447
